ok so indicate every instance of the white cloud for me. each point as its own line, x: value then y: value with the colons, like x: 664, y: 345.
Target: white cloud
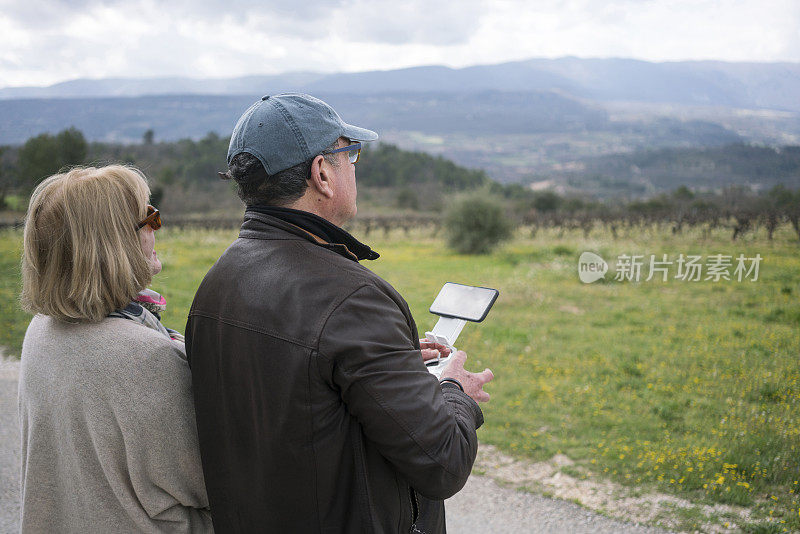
x: 653, y: 30
x: 44, y: 42
x: 412, y: 22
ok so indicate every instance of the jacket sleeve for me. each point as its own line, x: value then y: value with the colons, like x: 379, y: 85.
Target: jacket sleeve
x: 429, y: 436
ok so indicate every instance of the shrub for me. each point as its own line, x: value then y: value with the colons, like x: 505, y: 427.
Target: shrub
x: 476, y: 225
x: 407, y: 198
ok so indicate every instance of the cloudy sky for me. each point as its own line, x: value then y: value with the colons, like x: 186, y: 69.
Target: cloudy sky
x: 43, y: 42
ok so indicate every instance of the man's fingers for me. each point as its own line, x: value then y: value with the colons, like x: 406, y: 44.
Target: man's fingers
x: 429, y: 354
x: 459, y: 358
x: 486, y: 376
x: 425, y: 344
x: 455, y: 367
x: 482, y: 396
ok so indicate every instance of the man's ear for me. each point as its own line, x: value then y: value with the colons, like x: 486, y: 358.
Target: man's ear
x: 320, y: 179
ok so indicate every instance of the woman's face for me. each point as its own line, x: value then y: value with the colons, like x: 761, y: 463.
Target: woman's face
x: 147, y: 237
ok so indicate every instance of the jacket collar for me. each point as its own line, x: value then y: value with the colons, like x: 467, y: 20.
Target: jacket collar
x: 262, y: 226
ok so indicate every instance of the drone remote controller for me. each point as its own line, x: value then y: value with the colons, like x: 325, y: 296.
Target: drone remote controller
x: 456, y: 304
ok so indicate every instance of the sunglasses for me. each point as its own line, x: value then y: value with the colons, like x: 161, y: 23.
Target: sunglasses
x: 353, y: 152
x: 153, y: 219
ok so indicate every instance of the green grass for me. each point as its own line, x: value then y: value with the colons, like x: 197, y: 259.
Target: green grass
x: 692, y: 388
x: 689, y: 387
x: 17, y: 203
x: 13, y: 321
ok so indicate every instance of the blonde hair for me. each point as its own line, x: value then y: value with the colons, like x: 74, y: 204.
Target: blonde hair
x: 82, y: 258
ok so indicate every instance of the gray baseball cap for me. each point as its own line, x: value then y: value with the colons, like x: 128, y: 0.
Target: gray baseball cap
x: 287, y: 129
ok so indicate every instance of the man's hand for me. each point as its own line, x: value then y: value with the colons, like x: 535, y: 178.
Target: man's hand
x: 472, y: 382
x: 431, y: 350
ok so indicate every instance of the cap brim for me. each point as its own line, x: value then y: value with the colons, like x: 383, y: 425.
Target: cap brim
x: 355, y: 133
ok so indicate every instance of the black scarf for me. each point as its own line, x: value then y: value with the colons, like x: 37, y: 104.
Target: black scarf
x: 320, y: 227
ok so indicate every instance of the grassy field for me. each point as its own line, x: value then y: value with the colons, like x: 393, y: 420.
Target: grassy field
x: 691, y: 388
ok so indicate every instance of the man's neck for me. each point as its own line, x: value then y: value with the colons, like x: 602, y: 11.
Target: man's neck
x: 318, y: 208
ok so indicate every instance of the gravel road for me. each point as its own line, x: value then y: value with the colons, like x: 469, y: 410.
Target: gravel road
x: 9, y: 448
x: 482, y: 506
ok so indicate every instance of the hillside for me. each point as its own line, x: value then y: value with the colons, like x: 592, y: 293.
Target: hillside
x: 185, y: 171
x: 183, y: 174
x: 646, y: 172
x: 176, y: 117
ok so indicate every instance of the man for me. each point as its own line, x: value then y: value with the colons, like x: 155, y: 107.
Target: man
x: 314, y: 408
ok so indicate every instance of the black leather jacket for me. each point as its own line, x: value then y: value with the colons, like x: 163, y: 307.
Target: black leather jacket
x: 314, y: 410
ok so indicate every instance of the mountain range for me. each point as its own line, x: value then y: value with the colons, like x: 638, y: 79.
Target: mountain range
x: 773, y: 86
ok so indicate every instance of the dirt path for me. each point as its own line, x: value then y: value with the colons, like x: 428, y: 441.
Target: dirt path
x: 9, y: 447
x: 610, y: 499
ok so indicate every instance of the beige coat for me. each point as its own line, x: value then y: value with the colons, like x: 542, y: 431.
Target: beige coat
x: 109, y: 442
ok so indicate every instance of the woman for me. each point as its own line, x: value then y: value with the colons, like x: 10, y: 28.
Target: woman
x: 109, y: 442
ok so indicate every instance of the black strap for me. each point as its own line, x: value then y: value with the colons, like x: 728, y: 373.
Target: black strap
x: 452, y: 380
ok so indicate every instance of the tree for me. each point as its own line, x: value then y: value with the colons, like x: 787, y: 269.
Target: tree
x: 148, y: 136
x: 5, y: 180
x: 45, y: 154
x: 546, y: 201
x: 407, y: 198
x: 387, y: 165
x: 156, y: 195
x: 476, y: 225
x: 682, y: 193
x: 71, y: 147
x: 787, y: 204
x: 37, y: 160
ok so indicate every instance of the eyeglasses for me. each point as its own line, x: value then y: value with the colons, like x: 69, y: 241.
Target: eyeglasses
x: 353, y: 152
x: 153, y: 219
